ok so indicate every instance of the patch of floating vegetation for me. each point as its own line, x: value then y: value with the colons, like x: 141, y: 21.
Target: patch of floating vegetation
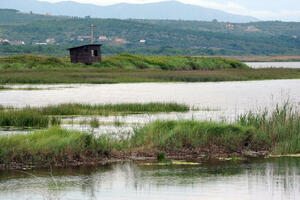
x: 287, y: 155
x: 170, y: 162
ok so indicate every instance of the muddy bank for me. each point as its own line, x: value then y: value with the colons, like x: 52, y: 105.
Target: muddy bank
x: 196, y: 155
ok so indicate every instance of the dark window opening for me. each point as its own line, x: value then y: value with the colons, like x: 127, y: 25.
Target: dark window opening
x: 94, y: 53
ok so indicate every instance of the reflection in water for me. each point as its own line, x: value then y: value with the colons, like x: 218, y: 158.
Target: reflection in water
x: 267, y: 179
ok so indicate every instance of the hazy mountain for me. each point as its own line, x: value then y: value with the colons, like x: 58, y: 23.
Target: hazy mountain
x: 162, y: 10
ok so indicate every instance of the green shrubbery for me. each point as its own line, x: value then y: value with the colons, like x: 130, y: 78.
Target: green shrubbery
x: 122, y: 61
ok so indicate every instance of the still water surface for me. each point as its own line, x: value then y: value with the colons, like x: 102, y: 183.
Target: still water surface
x: 273, y: 64
x: 272, y: 179
x: 214, y: 95
x: 215, y: 101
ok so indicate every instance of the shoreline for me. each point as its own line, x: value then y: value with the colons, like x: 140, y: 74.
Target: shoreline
x: 143, y: 158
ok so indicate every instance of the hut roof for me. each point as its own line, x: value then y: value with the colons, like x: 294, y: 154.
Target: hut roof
x: 85, y: 46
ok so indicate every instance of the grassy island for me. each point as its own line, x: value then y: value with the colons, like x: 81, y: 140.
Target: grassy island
x: 127, y: 68
x: 258, y: 134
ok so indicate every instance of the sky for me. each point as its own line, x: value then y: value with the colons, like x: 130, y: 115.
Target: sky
x: 285, y: 10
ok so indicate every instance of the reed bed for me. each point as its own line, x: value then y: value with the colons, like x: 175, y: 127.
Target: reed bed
x: 133, y: 69
x: 26, y: 117
x: 180, y: 135
x: 44, y: 116
x: 276, y: 132
x: 54, y: 146
x: 112, y: 109
x: 111, y: 76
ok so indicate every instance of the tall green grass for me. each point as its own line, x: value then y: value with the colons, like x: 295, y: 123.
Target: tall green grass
x: 43, y: 116
x: 26, y: 117
x: 55, y: 146
x: 182, y: 135
x: 278, y: 130
x: 112, y: 109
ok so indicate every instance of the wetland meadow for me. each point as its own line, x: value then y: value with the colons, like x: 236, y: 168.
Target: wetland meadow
x: 138, y: 127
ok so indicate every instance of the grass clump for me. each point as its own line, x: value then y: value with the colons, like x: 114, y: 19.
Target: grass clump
x: 111, y: 109
x: 94, y: 123
x: 43, y: 116
x: 178, y: 135
x: 26, y: 117
x: 55, y: 146
x: 278, y: 130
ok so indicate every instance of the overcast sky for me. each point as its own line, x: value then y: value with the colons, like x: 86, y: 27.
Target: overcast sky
x: 287, y: 10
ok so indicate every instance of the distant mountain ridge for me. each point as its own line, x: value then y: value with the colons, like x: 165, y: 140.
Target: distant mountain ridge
x: 162, y: 10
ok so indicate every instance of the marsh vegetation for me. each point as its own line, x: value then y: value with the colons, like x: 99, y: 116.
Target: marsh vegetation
x: 126, y: 68
x: 277, y: 132
x: 44, y: 116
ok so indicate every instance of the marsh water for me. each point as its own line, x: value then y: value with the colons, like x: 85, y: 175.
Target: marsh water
x: 211, y: 101
x: 274, y: 64
x: 270, y: 179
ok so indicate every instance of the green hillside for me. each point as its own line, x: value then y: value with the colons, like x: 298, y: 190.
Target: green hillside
x: 11, y: 16
x: 161, y: 36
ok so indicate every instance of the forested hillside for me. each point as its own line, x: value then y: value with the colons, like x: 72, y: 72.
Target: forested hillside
x: 148, y: 37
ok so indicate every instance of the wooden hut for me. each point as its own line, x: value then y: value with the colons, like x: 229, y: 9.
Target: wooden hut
x: 87, y: 54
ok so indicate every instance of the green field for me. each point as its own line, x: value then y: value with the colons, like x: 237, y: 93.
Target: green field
x: 127, y: 68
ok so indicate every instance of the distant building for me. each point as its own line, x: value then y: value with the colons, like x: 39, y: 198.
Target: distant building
x: 252, y: 29
x: 40, y: 43
x: 50, y: 41
x: 143, y: 41
x: 17, y: 42
x: 102, y: 37
x: 295, y: 36
x: 87, y: 54
x: 120, y: 40
x: 82, y: 38
x: 230, y: 26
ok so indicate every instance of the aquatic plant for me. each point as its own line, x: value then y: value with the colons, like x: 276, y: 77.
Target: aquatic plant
x: 278, y: 130
x: 111, y: 109
x: 25, y: 117
x: 179, y: 135
x: 94, y: 123
x: 54, y: 146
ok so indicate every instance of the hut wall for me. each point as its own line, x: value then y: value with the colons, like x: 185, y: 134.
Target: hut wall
x: 86, y: 54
